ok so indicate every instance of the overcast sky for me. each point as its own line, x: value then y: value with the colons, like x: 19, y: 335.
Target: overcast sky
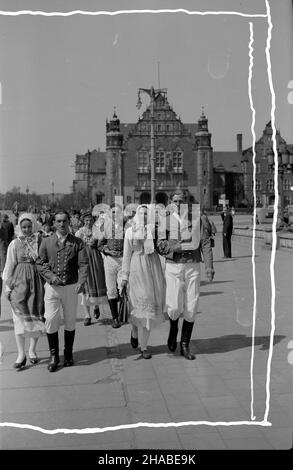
x: 61, y: 77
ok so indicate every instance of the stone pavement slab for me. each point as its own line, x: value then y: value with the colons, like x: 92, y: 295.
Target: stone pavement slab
x: 111, y: 385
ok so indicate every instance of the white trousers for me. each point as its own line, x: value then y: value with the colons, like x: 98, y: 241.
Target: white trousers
x: 182, y: 290
x: 57, y: 297
x: 113, y: 275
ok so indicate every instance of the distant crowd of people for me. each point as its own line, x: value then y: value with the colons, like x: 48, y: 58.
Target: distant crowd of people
x: 48, y: 259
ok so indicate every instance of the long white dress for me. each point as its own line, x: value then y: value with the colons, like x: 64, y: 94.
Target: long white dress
x: 147, y: 285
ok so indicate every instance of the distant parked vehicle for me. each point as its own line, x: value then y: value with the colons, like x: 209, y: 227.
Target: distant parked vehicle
x: 270, y: 211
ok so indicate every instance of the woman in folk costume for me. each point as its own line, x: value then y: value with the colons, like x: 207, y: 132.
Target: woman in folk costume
x: 24, y: 288
x: 141, y: 268
x: 95, y: 287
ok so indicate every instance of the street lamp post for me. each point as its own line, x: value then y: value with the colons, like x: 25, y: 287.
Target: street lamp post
x: 52, y: 185
x: 88, y: 176
x: 153, y: 94
x: 27, y: 193
x: 285, y: 165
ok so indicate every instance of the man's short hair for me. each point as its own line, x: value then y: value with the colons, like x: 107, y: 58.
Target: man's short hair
x: 178, y: 192
x: 61, y: 211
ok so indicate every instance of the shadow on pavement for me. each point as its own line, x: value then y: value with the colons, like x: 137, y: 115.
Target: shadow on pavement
x: 231, y: 342
x: 206, y: 283
x: 6, y: 328
x: 222, y: 344
x: 246, y: 256
x: 214, y: 292
x: 225, y: 260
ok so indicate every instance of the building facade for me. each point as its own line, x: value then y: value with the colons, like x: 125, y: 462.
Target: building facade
x: 89, y: 185
x: 184, y: 159
x: 228, y: 176
x: 265, y: 173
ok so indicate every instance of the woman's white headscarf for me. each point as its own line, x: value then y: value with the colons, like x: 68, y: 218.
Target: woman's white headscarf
x: 145, y: 232
x: 32, y: 240
x: 27, y: 216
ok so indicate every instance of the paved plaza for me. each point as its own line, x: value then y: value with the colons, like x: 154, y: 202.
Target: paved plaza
x: 111, y: 385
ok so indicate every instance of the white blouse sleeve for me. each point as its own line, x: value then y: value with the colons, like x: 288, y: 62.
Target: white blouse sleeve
x: 11, y: 262
x: 127, y: 253
x: 79, y: 234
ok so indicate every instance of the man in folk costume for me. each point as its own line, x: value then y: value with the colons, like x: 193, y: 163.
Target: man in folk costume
x: 183, y: 258
x: 111, y: 241
x: 63, y: 263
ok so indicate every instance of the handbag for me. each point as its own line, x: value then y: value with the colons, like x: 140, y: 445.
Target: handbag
x: 123, y: 309
x: 212, y: 242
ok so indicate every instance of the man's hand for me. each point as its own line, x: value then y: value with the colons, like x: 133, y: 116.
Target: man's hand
x: 56, y: 281
x: 79, y: 288
x: 210, y: 275
x: 106, y: 251
x: 177, y: 248
x: 124, y: 286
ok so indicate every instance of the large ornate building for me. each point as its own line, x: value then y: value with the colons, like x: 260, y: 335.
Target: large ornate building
x: 265, y: 173
x: 184, y: 159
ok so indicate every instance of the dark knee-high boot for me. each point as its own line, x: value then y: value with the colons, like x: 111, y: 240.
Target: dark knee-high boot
x: 185, y: 339
x: 172, y: 338
x: 68, y: 346
x: 113, y: 303
x: 53, y: 341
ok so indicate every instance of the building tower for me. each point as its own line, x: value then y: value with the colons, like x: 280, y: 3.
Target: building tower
x: 204, y: 159
x: 114, y: 170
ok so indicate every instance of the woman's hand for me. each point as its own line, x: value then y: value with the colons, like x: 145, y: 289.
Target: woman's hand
x: 8, y: 295
x: 79, y: 288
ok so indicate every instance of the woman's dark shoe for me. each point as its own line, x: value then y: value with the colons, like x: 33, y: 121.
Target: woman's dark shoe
x: 19, y: 365
x: 145, y: 354
x: 34, y: 359
x: 97, y: 313
x: 87, y: 321
x: 133, y: 342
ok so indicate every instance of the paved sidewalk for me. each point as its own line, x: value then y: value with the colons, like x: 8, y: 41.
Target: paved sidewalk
x: 111, y: 385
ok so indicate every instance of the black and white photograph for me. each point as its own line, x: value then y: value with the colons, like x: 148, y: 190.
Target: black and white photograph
x: 146, y: 221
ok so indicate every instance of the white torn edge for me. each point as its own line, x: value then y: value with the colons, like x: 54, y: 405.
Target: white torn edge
x: 254, y: 215
x: 142, y: 424
x: 121, y: 12
x: 134, y: 426
x: 276, y: 203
